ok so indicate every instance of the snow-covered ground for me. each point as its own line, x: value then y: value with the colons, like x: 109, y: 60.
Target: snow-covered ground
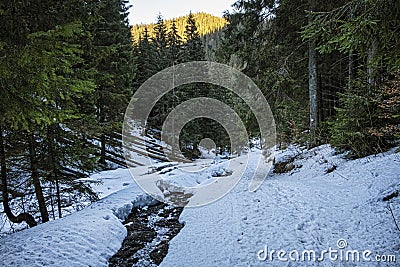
x: 85, y: 238
x: 305, y: 209
x: 323, y: 199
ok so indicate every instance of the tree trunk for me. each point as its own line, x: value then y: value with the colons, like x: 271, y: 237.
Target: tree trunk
x: 313, y: 84
x: 23, y: 217
x: 102, y: 160
x: 312, y: 81
x: 58, y: 199
x: 52, y: 203
x: 54, y: 165
x: 35, y: 178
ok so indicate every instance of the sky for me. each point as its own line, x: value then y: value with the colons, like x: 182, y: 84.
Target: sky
x: 146, y: 11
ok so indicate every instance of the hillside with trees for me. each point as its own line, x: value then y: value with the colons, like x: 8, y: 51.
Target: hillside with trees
x: 205, y: 23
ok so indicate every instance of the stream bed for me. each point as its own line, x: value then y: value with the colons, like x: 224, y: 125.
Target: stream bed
x: 149, y: 231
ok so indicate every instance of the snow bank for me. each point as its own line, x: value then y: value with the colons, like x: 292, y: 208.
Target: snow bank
x: 91, y: 236
x: 85, y: 238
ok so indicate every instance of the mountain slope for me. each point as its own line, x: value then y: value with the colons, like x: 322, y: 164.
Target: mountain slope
x: 205, y: 23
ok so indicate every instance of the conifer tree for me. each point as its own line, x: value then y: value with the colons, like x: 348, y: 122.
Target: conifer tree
x: 112, y: 59
x: 206, y: 24
x: 193, y: 49
x: 160, y: 43
x: 41, y: 69
x: 351, y: 29
x: 146, y: 55
x: 174, y: 42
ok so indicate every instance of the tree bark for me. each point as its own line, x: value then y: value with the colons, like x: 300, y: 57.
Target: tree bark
x: 58, y: 199
x: 52, y: 203
x: 23, y: 217
x: 102, y: 160
x: 54, y: 165
x: 313, y: 84
x: 35, y: 178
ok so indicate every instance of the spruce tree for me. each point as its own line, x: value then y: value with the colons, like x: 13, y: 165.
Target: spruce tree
x: 350, y: 30
x: 174, y: 43
x: 146, y: 57
x: 193, y: 49
x: 147, y: 65
x: 160, y: 43
x: 112, y: 59
x: 40, y: 78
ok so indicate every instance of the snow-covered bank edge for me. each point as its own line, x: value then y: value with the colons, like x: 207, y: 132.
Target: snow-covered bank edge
x: 85, y: 238
x: 90, y: 237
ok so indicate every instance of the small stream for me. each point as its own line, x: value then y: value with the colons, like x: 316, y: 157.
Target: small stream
x: 149, y: 231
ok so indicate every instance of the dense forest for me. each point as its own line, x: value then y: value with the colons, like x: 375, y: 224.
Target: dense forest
x: 330, y: 71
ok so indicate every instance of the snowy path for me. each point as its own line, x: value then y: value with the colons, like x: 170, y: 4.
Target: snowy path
x: 306, y: 209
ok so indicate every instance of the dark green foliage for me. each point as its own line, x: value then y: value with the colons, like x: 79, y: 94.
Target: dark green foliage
x: 151, y: 57
x: 193, y: 49
x: 112, y: 58
x: 357, y: 55
x: 66, y: 65
x: 146, y: 56
x: 160, y: 41
x: 360, y: 26
x: 40, y: 79
x: 174, y: 43
x: 262, y: 39
x: 164, y: 50
x: 68, y: 70
x: 363, y: 30
x: 358, y: 113
x: 368, y: 120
